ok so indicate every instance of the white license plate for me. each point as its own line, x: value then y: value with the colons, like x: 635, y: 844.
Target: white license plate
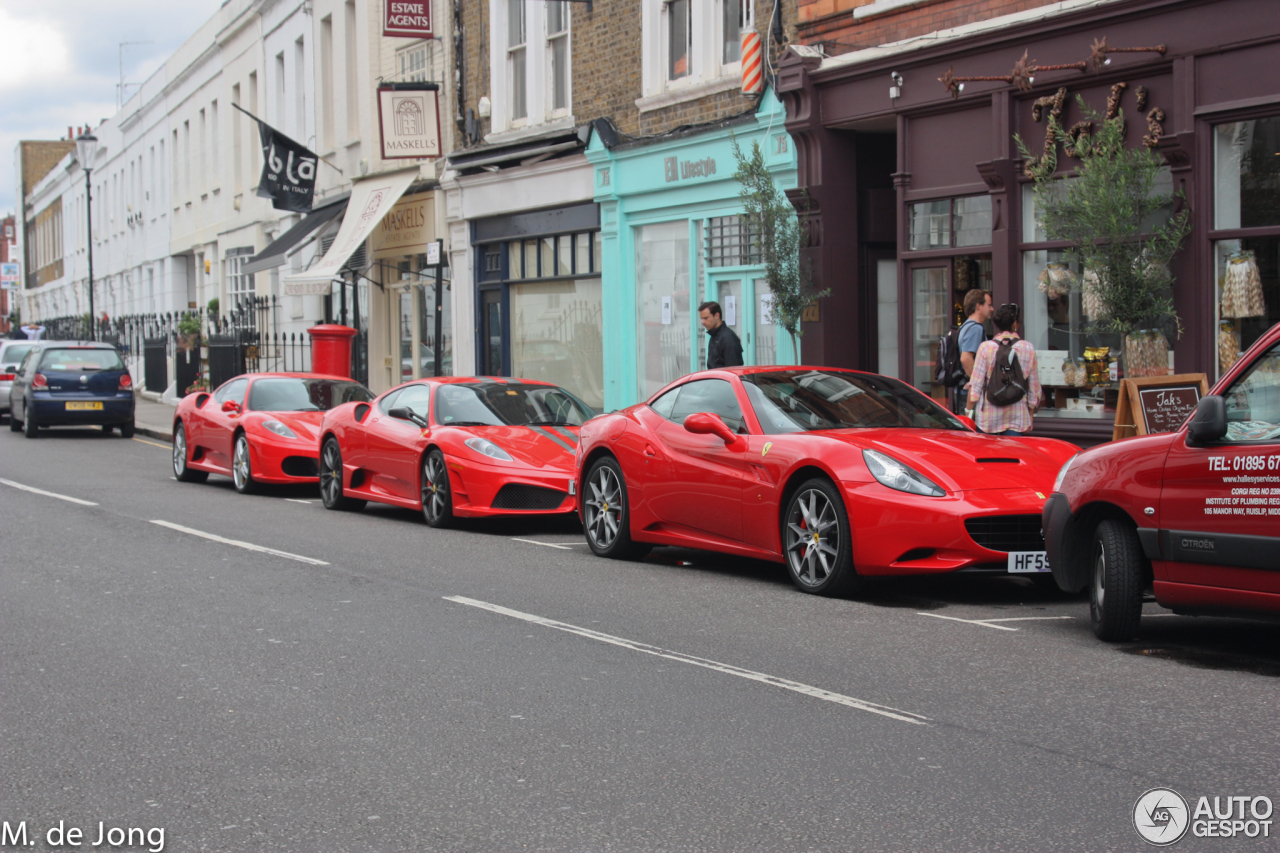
x: 1024, y: 562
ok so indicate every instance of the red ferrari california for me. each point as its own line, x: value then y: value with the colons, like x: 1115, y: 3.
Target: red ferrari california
x: 455, y: 447
x: 257, y: 428
x: 839, y: 474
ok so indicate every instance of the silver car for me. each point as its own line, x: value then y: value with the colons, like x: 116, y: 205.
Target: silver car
x: 11, y: 355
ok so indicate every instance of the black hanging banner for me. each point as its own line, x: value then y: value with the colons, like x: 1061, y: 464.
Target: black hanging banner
x: 288, y: 170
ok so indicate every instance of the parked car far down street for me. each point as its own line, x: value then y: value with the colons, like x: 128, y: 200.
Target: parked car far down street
x: 11, y: 354
x: 79, y: 383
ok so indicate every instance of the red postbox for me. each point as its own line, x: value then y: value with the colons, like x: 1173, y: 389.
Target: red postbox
x: 331, y: 349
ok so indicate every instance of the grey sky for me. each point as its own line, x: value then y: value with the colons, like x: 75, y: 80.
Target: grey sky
x: 61, y: 63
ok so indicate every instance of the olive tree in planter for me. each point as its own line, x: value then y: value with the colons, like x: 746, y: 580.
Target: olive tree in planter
x: 1111, y: 213
x: 771, y: 220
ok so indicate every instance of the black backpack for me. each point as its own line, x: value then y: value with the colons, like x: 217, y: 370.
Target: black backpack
x: 1007, y: 385
x: 947, y: 369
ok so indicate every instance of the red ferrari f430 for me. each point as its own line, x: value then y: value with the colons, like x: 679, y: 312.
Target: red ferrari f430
x: 840, y: 475
x: 257, y: 428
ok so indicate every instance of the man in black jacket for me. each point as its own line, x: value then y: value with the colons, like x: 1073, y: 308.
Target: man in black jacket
x: 724, y: 349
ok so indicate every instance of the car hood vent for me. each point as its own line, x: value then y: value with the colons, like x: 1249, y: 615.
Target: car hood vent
x: 997, y: 460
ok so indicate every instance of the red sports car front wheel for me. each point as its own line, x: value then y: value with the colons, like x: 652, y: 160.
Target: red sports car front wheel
x: 815, y: 530
x: 606, y: 516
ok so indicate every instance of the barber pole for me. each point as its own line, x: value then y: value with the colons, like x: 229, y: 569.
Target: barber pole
x: 752, y: 63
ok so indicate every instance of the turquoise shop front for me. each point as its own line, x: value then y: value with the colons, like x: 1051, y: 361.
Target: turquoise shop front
x: 672, y: 237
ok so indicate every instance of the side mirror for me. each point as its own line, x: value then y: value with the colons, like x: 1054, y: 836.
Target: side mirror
x: 230, y: 406
x: 967, y: 421
x: 1209, y: 421
x: 404, y: 413
x: 705, y: 423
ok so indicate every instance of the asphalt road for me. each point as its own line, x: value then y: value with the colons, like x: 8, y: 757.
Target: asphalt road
x: 499, y: 688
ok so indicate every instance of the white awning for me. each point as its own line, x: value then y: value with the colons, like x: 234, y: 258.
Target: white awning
x: 370, y: 200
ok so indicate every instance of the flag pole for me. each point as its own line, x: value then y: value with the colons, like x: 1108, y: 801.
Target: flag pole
x: 294, y: 141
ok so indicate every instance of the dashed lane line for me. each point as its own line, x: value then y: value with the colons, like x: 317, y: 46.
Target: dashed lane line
x: 36, y: 491
x: 544, y: 544
x: 729, y: 669
x: 248, y: 546
x: 298, y: 501
x: 989, y: 623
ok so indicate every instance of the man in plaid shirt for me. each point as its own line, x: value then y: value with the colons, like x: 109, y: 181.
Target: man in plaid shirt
x: 1015, y: 419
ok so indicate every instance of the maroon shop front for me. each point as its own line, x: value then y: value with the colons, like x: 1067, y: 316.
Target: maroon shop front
x: 933, y: 185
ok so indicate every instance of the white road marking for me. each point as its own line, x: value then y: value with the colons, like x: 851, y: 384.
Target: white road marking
x: 298, y: 501
x: 774, y: 681
x: 546, y: 544
x: 1027, y: 619
x: 983, y: 623
x: 248, y: 546
x: 47, y: 494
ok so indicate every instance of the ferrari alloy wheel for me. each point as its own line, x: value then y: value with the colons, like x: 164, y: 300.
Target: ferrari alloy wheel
x: 815, y: 533
x: 605, y: 514
x: 181, y: 471
x: 1115, y: 588
x: 331, y: 479
x: 437, y: 500
x: 241, y: 471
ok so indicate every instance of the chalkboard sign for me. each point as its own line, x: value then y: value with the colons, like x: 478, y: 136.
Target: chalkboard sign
x: 1164, y: 409
x: 1157, y: 403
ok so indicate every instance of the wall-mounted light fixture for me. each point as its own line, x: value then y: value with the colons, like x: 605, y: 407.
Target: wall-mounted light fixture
x: 895, y: 91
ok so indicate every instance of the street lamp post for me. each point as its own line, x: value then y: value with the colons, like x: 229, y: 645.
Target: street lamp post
x: 86, y: 148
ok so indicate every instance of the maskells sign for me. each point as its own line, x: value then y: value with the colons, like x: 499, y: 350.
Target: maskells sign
x: 409, y: 119
x: 406, y: 19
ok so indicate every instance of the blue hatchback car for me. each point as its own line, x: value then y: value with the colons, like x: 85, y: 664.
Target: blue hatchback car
x: 77, y: 383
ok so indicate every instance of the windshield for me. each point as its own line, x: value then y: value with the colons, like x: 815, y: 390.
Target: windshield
x: 80, y: 359
x: 13, y: 354
x: 803, y: 400
x: 292, y: 394
x: 509, y: 405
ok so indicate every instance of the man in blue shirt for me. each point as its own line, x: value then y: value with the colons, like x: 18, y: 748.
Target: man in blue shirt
x: 979, y: 308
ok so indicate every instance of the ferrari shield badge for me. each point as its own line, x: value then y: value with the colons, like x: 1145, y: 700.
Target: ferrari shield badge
x: 765, y: 451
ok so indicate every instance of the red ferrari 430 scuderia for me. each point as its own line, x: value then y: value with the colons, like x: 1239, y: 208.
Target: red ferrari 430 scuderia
x: 455, y: 447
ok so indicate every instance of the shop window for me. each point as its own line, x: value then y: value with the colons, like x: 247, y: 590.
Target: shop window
x: 948, y: 223
x: 557, y: 335
x: 663, y: 320
x: 1247, y: 174
x: 730, y: 243
x: 1248, y: 274
x: 1059, y: 311
x: 551, y: 257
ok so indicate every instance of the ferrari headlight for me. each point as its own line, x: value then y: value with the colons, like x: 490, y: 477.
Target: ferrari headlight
x: 892, y: 473
x: 279, y: 429
x: 1062, y: 474
x: 488, y: 448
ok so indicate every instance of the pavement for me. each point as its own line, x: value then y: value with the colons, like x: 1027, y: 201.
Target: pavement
x: 152, y: 417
